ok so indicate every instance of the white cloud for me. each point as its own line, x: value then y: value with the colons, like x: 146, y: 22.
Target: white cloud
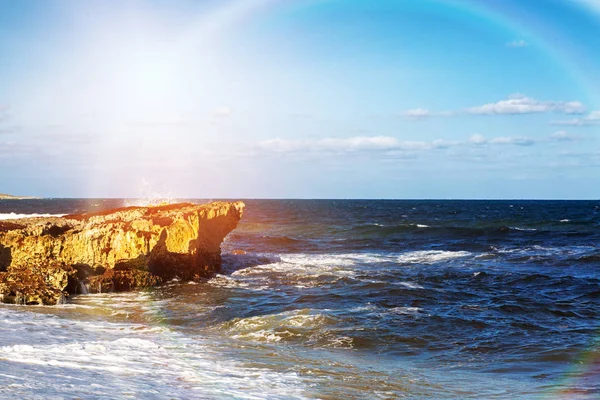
x: 350, y: 145
x: 501, y: 140
x: 480, y: 140
x: 358, y: 143
x: 520, y: 104
x: 477, y: 139
x: 517, y: 43
x: 570, y: 122
x: 518, y: 141
x: 422, y: 113
x: 564, y: 136
x: 443, y: 144
x: 592, y: 118
x: 515, y: 104
x: 418, y: 113
x: 570, y: 107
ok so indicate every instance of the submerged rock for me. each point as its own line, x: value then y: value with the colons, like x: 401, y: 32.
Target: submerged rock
x: 121, y: 249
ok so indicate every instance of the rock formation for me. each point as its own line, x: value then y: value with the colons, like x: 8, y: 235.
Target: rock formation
x: 4, y: 196
x: 121, y: 249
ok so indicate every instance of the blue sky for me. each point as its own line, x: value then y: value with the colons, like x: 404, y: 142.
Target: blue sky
x: 300, y: 98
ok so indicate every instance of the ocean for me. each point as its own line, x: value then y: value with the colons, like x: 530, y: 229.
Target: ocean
x: 337, y: 299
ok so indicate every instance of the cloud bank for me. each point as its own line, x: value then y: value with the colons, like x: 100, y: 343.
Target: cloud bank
x: 516, y: 104
x: 519, y: 104
x: 377, y: 144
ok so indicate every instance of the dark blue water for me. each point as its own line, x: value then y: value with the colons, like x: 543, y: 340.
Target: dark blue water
x: 384, y: 299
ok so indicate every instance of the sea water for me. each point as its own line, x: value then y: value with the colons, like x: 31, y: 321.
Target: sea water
x: 337, y: 299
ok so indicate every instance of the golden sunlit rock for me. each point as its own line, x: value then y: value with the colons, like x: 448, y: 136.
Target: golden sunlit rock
x: 119, y: 249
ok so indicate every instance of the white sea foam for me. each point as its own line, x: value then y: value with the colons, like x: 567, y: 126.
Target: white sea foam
x: 249, y: 283
x: 45, y: 356
x: 565, y: 220
x: 547, y: 250
x: 12, y: 215
x: 384, y: 312
x: 299, y: 325
x: 305, y: 265
x: 312, y: 270
x: 346, y: 264
x: 430, y: 256
x: 406, y: 310
x: 410, y: 285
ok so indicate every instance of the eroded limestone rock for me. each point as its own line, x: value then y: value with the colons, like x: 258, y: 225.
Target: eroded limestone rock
x: 120, y: 249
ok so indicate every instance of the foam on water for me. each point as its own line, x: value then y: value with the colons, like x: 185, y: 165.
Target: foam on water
x: 573, y: 250
x: 12, y: 215
x: 306, y: 270
x: 303, y: 325
x: 348, y: 264
x: 430, y: 256
x: 55, y: 357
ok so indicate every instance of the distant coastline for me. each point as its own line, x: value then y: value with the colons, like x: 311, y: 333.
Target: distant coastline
x: 4, y: 196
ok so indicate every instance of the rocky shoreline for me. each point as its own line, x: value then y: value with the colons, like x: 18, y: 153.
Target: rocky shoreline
x: 4, y: 196
x: 44, y: 259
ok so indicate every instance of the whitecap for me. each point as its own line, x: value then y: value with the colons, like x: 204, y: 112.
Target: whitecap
x: 409, y: 285
x: 516, y: 228
x: 430, y: 256
x: 56, y: 357
x: 12, y: 215
x: 303, y: 324
x: 405, y: 310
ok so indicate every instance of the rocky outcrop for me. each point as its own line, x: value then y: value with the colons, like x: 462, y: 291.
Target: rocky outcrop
x: 4, y: 196
x: 41, y: 259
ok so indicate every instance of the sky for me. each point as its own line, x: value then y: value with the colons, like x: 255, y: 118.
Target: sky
x: 442, y: 99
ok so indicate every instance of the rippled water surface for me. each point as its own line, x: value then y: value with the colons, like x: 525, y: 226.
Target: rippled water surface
x: 337, y: 300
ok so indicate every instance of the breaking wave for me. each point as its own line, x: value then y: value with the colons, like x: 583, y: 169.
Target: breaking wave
x: 12, y: 215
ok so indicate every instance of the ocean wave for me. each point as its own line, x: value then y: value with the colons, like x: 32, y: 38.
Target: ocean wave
x: 234, y: 262
x: 368, y: 234
x: 409, y: 285
x: 231, y: 282
x: 305, y: 270
x: 305, y: 325
x: 63, y: 359
x: 12, y: 215
x: 406, y: 310
x: 430, y: 256
x: 577, y: 253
